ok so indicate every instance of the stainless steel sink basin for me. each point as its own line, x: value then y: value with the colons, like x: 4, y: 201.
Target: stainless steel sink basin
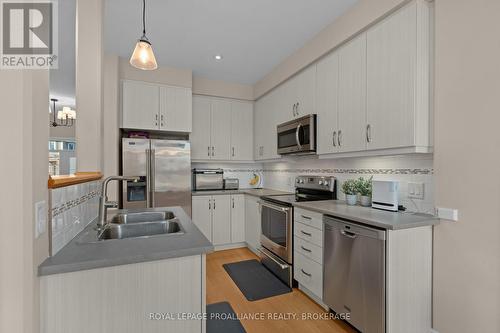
x: 141, y: 217
x: 142, y: 229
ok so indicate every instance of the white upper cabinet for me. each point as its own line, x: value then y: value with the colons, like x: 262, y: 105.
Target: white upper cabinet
x: 351, y: 133
x: 222, y: 129
x: 148, y: 106
x: 398, y: 106
x: 266, y: 120
x: 140, y: 105
x: 201, y: 146
x: 176, y: 109
x: 327, y: 90
x: 297, y: 96
x: 241, y: 131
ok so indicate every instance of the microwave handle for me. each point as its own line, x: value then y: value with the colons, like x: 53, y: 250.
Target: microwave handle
x: 297, y: 138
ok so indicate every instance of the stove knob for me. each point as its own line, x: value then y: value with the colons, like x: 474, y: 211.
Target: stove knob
x: 298, y: 181
x: 302, y: 181
x: 326, y: 183
x: 321, y: 182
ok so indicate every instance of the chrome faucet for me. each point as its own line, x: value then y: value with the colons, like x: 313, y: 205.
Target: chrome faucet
x: 104, y: 204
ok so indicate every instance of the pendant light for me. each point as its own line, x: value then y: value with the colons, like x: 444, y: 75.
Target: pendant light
x: 143, y: 56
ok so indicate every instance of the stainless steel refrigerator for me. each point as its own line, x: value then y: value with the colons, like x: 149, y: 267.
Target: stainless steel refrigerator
x: 164, y: 168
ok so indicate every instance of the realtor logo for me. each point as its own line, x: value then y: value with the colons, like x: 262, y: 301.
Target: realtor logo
x: 29, y: 38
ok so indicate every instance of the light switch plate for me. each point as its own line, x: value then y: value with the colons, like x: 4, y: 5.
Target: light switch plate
x: 416, y: 190
x: 40, y: 218
x: 447, y: 213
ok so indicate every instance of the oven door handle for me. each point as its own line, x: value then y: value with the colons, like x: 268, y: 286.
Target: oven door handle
x: 282, y: 266
x: 297, y: 138
x: 276, y: 207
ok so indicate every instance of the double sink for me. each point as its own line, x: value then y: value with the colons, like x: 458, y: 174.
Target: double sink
x: 137, y: 224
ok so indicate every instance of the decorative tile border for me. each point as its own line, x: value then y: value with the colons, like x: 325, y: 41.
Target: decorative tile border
x: 73, y: 203
x: 401, y: 171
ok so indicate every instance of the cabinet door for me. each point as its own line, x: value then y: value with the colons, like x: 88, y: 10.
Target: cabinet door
x: 352, y: 96
x: 252, y: 222
x: 391, y: 64
x: 241, y: 131
x: 327, y: 103
x: 175, y: 109
x: 237, y: 218
x: 258, y: 130
x: 200, y: 137
x: 305, y: 90
x: 202, y: 214
x: 270, y: 146
x: 221, y: 219
x: 287, y: 100
x: 140, y: 105
x: 221, y: 129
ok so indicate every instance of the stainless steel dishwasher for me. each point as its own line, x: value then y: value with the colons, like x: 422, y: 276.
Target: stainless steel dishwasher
x: 354, y: 273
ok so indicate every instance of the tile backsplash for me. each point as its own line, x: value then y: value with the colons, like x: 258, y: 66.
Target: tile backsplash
x: 72, y: 209
x: 405, y: 169
x: 281, y: 175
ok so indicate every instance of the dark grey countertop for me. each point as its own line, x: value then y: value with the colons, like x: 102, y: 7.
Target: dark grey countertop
x: 369, y: 216
x: 78, y: 255
x: 257, y: 192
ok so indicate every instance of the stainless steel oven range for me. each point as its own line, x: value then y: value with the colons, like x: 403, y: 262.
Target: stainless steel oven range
x: 276, y: 237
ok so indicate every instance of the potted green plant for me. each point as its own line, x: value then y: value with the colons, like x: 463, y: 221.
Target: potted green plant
x: 364, y: 188
x: 349, y: 189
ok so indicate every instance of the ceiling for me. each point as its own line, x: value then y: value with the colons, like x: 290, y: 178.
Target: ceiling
x: 253, y: 36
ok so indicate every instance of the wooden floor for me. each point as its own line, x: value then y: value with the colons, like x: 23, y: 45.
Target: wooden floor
x: 220, y: 287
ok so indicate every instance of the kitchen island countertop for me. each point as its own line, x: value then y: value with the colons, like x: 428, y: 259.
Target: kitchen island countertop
x: 78, y: 255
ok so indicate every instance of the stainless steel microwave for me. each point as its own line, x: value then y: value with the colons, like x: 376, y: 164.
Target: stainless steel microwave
x: 297, y: 136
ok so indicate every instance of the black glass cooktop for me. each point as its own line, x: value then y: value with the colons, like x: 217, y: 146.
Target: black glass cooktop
x: 289, y: 199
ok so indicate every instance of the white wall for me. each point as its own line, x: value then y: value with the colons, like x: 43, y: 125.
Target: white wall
x: 89, y: 127
x: 203, y: 86
x: 467, y: 161
x: 24, y: 164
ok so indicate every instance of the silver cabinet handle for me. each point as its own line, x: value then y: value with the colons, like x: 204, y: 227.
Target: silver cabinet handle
x: 334, y: 138
x: 368, y: 133
x: 208, y: 151
x: 233, y: 202
x: 297, y: 108
x: 294, y: 108
x: 306, y: 217
x: 305, y: 273
x: 339, y: 140
x: 232, y: 154
x: 297, y: 136
x: 161, y: 120
x: 214, y: 204
x: 306, y: 233
x: 305, y: 249
x: 213, y: 151
x: 209, y: 204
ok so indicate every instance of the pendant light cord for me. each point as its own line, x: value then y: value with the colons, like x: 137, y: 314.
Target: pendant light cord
x: 144, y: 17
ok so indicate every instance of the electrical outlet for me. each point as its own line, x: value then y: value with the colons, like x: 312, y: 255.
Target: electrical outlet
x: 40, y: 218
x: 447, y: 213
x: 416, y: 190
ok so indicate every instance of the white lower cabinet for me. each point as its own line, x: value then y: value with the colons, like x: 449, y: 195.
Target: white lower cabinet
x: 308, y: 252
x: 252, y: 222
x: 237, y: 218
x: 220, y: 218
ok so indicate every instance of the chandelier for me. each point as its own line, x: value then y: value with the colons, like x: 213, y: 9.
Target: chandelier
x: 65, y: 117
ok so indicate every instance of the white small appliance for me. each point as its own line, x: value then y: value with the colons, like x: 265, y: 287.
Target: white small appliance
x: 385, y: 195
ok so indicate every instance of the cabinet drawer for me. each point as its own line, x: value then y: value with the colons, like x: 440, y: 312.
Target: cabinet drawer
x: 309, y: 218
x: 308, y: 273
x: 308, y: 250
x: 310, y: 234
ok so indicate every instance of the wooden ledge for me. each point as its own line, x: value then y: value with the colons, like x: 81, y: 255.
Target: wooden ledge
x: 77, y: 178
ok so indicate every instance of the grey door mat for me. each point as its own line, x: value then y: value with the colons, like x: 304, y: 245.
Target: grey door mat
x: 221, y: 318
x: 254, y: 280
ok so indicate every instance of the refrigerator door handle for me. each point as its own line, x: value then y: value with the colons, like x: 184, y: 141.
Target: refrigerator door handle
x: 148, y: 178
x: 152, y: 163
